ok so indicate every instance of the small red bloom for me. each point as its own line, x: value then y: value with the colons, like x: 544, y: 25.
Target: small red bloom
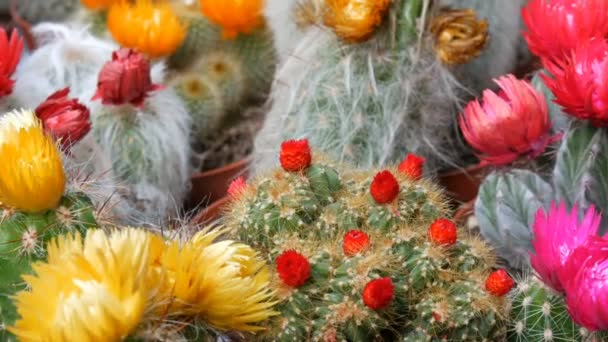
x: 10, y: 54
x: 295, y: 155
x: 499, y: 283
x: 236, y: 187
x: 384, y: 187
x: 443, y: 232
x: 412, y: 166
x: 355, y: 241
x: 125, y: 79
x: 64, y: 118
x: 293, y: 268
x: 378, y: 293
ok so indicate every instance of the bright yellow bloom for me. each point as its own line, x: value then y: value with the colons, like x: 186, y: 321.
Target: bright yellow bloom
x: 98, y: 4
x: 31, y: 177
x: 151, y: 28
x: 91, y: 291
x: 234, y: 16
x: 225, y: 284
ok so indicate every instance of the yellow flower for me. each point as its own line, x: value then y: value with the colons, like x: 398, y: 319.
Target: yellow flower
x: 31, y: 177
x: 234, y: 16
x: 355, y: 20
x: 97, y: 4
x: 91, y: 291
x: 151, y: 28
x: 225, y: 284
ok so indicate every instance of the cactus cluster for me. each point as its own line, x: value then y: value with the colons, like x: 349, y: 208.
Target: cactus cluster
x: 350, y: 268
x: 216, y: 77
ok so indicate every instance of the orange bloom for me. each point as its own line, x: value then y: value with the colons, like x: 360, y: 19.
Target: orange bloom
x: 151, y: 28
x: 234, y: 16
x: 355, y: 20
x: 97, y: 4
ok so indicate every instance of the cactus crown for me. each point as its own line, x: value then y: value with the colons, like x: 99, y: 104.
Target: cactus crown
x: 349, y: 268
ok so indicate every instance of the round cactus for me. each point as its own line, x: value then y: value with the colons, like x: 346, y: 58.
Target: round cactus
x: 350, y: 268
x: 44, y: 10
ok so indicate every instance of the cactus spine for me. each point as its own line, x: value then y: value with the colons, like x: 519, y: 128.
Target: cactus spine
x: 438, y: 290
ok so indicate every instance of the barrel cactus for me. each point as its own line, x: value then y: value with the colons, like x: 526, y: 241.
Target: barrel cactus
x: 361, y: 255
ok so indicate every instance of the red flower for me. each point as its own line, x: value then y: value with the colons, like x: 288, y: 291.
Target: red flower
x: 508, y: 125
x: 355, y: 241
x: 295, y: 155
x: 378, y: 293
x: 499, y: 283
x: 443, y: 232
x: 125, y: 79
x: 293, y: 268
x: 64, y: 118
x: 384, y: 187
x: 236, y: 187
x: 556, y: 27
x: 579, y: 82
x: 10, y: 53
x: 412, y: 166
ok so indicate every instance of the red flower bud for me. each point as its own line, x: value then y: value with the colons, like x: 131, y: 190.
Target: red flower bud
x: 125, y: 79
x: 378, y: 293
x: 355, y: 241
x: 65, y: 119
x: 295, y: 155
x: 443, y: 232
x: 10, y: 54
x: 236, y: 187
x: 384, y: 187
x: 293, y: 268
x: 412, y: 166
x: 499, y: 283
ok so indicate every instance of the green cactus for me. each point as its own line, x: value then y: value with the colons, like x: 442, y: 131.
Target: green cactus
x: 44, y: 10
x: 438, y: 291
x: 539, y: 314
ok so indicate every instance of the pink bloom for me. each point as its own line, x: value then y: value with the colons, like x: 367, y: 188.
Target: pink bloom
x: 125, y: 79
x: 507, y: 125
x: 579, y: 82
x: 237, y: 187
x: 10, y: 53
x: 585, y: 277
x: 555, y: 26
x: 64, y: 118
x: 556, y: 235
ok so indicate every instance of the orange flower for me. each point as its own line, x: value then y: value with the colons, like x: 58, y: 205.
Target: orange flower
x: 151, y: 28
x: 234, y: 16
x: 98, y: 4
x: 355, y: 20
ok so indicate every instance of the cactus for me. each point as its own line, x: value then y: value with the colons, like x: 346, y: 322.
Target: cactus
x: 560, y: 120
x: 366, y: 103
x: 43, y: 10
x: 438, y: 290
x: 539, y: 314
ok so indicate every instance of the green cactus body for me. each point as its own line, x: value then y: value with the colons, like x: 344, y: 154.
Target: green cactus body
x: 23, y: 239
x: 368, y: 103
x: 46, y: 10
x: 438, y: 291
x: 539, y: 314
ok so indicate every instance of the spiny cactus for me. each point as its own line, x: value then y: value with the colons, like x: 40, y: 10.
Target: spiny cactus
x: 539, y: 314
x: 43, y: 10
x: 367, y: 103
x: 349, y: 268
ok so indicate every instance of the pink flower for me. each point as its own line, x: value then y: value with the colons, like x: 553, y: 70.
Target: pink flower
x: 579, y: 82
x: 125, y: 79
x: 555, y: 26
x: 585, y: 277
x: 10, y: 54
x: 236, y: 187
x: 64, y: 118
x: 556, y: 235
x: 509, y: 124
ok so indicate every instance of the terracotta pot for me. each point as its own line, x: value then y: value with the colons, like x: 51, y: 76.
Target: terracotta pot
x: 463, y: 185
x: 212, y: 212
x: 211, y: 186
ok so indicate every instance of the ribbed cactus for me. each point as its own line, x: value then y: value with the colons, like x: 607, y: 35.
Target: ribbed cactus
x: 43, y: 10
x: 337, y: 253
x: 369, y: 102
x: 539, y: 314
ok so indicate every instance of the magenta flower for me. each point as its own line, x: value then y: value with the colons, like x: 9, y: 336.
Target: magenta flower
x: 508, y: 125
x: 555, y: 26
x: 585, y: 278
x: 556, y: 235
x: 579, y: 82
